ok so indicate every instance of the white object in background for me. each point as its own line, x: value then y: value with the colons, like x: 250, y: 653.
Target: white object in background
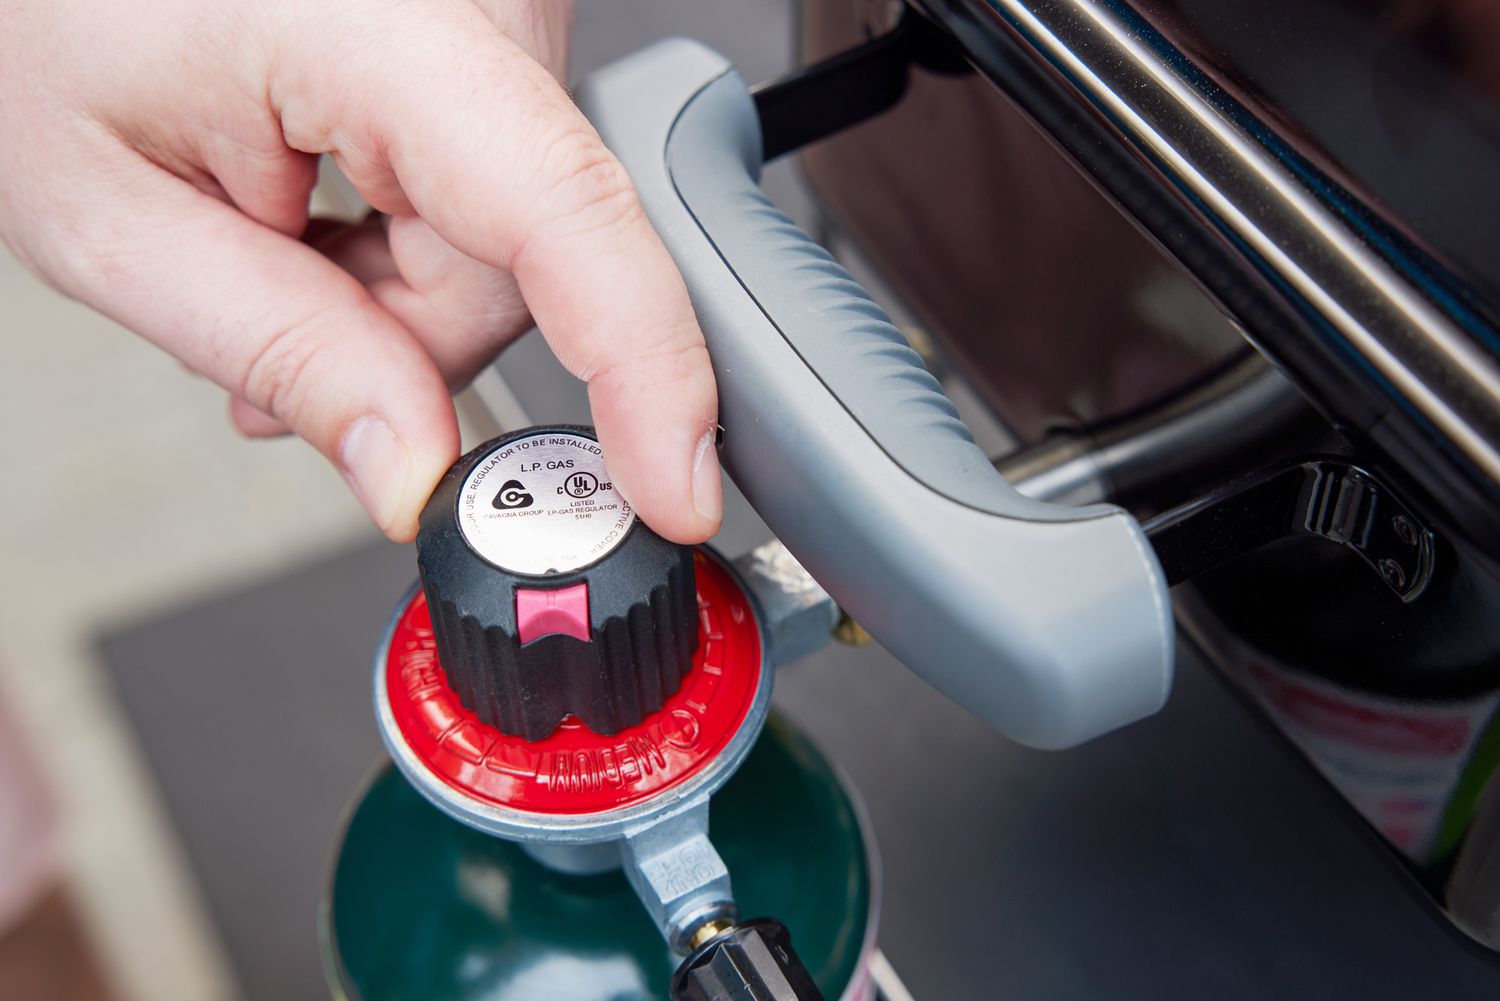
x: 28, y: 830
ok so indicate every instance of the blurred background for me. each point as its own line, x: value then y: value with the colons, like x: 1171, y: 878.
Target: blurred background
x: 186, y: 624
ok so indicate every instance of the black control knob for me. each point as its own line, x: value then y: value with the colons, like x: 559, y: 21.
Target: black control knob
x: 548, y: 595
x: 752, y: 961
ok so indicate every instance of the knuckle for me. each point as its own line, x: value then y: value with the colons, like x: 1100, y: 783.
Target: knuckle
x: 283, y: 369
x: 668, y: 362
x: 592, y: 189
x: 678, y: 352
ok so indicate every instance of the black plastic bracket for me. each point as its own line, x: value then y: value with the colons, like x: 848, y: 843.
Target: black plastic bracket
x: 1328, y: 499
x: 845, y: 89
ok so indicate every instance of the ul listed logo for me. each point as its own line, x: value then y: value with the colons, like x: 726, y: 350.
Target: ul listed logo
x: 512, y: 495
x: 580, y: 485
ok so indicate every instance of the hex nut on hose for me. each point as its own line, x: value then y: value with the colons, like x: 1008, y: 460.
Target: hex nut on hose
x: 753, y: 961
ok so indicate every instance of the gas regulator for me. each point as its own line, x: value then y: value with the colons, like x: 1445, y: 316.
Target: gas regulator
x: 568, y: 680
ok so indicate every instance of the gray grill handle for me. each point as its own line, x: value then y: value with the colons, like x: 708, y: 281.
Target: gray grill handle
x: 1050, y: 623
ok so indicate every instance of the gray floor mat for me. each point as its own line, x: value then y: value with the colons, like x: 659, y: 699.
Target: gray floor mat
x: 253, y: 711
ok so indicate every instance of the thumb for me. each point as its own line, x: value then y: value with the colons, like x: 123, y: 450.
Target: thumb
x: 497, y: 159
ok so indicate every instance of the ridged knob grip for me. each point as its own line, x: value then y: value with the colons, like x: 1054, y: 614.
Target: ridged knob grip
x: 547, y: 595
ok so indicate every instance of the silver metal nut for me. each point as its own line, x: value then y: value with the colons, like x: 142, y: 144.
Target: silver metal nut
x: 679, y: 876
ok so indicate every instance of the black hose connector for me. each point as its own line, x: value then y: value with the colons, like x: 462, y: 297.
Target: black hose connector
x: 752, y: 961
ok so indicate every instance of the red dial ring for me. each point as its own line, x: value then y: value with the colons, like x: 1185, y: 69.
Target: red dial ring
x: 575, y: 771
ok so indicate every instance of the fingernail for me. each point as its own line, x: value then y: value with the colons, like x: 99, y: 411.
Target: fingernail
x: 376, y: 467
x: 708, y: 491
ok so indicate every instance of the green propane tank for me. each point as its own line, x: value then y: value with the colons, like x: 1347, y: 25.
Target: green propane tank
x: 422, y: 908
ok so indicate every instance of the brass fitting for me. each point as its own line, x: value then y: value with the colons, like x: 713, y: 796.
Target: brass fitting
x: 708, y: 931
x: 850, y: 632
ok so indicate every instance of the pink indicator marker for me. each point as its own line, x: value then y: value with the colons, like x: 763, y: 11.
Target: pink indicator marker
x: 561, y: 612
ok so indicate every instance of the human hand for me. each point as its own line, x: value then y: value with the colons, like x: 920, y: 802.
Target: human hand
x: 156, y: 160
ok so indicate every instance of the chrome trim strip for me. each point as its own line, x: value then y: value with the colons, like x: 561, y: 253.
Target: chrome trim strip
x: 1377, y: 312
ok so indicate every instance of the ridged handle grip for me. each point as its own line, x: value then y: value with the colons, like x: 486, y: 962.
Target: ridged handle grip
x: 1049, y: 622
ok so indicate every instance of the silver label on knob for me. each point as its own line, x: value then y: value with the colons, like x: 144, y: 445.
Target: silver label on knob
x: 543, y: 504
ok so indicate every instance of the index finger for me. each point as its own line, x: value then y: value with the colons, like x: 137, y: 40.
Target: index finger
x: 491, y: 151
